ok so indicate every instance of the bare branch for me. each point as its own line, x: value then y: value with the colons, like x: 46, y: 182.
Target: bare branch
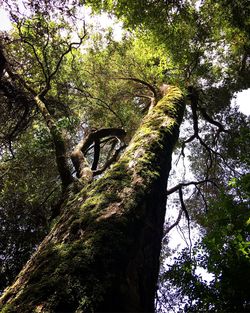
x: 193, y: 96
x: 45, y: 47
x: 37, y: 58
x: 195, y: 183
x: 183, y: 206
x: 203, y: 198
x: 168, y: 229
x: 100, y: 102
x: 150, y: 87
x: 71, y: 46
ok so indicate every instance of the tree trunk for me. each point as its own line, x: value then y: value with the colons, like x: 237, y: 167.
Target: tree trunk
x: 103, y: 253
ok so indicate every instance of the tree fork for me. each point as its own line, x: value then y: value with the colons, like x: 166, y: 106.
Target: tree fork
x: 103, y: 253
x: 83, y: 170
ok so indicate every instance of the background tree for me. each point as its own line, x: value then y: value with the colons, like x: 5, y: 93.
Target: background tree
x: 223, y: 251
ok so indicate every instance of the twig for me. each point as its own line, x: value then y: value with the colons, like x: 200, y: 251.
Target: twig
x: 150, y: 87
x: 70, y: 47
x: 100, y: 102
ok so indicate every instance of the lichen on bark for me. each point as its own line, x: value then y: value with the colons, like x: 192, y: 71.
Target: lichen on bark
x: 103, y: 253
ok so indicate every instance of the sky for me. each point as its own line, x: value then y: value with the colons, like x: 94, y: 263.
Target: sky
x: 243, y: 101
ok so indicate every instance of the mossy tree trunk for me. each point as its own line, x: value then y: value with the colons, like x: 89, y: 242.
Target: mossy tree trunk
x: 103, y: 253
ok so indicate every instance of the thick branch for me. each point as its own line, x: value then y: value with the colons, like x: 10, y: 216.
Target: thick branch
x: 60, y: 149
x: 109, y: 161
x: 211, y: 120
x: 101, y: 133
x: 19, y: 78
x: 82, y: 167
x: 96, y: 154
x: 78, y: 155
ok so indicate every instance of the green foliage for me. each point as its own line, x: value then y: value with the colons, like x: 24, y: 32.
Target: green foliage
x: 236, y: 143
x: 29, y: 189
x: 105, y: 83
x: 208, y: 42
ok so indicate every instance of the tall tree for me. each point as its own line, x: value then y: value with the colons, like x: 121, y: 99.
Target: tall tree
x: 102, y: 254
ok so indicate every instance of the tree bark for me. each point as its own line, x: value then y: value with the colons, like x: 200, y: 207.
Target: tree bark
x: 103, y: 253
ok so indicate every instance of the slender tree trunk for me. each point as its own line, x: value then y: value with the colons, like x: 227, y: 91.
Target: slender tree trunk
x: 103, y: 253
x: 59, y: 143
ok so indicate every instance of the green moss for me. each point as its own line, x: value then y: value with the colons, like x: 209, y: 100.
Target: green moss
x: 8, y: 308
x: 72, y: 263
